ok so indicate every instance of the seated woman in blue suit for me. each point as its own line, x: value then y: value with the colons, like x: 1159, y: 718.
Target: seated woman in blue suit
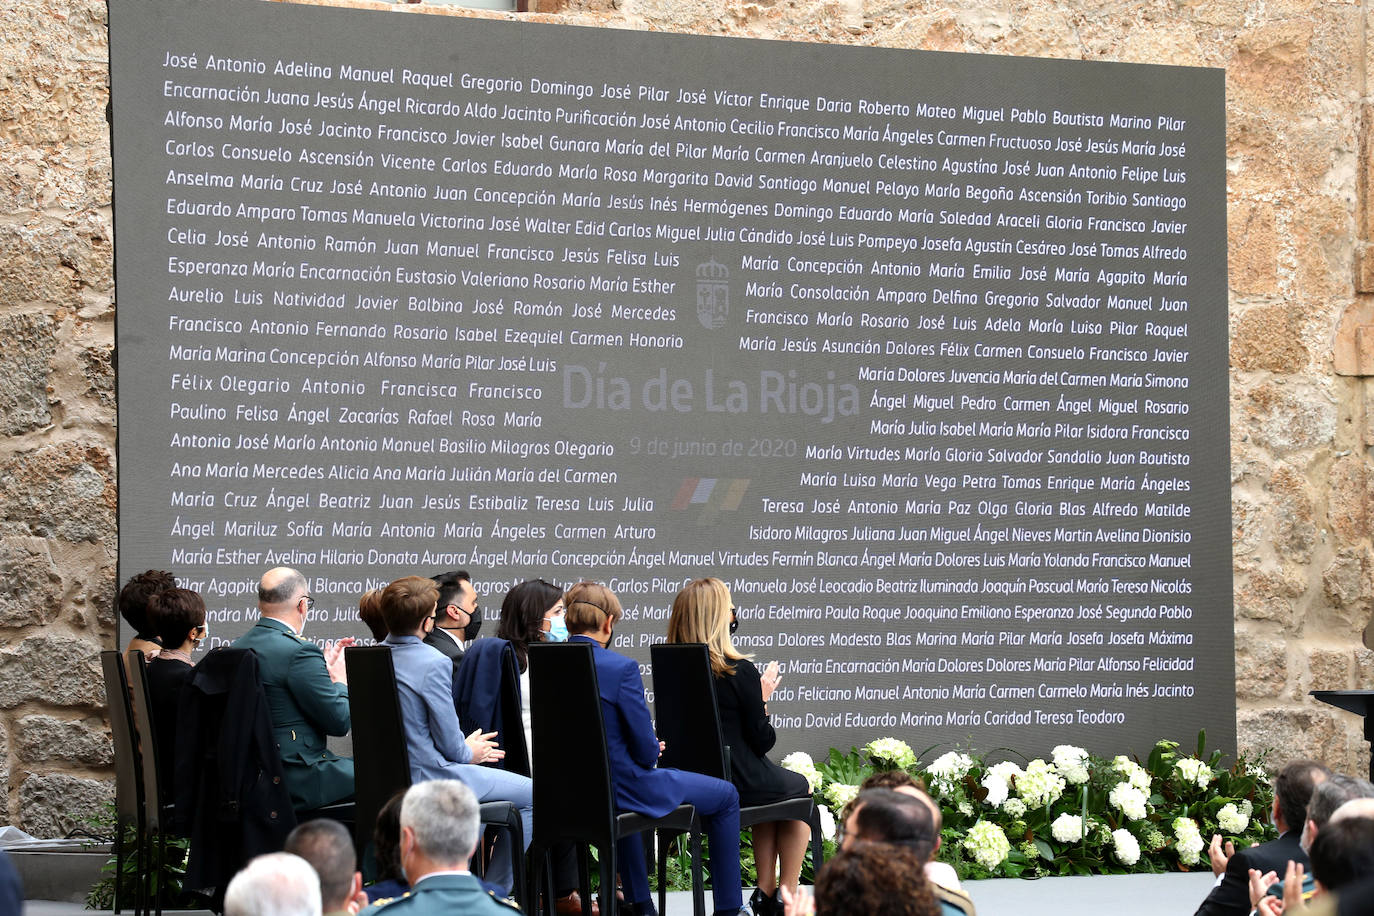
x: 591, y: 613
x: 438, y: 750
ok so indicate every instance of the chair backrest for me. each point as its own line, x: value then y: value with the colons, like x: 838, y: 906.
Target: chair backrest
x: 517, y: 758
x: 381, y: 762
x: 685, y: 712
x: 150, y: 763
x: 572, y: 770
x: 128, y: 781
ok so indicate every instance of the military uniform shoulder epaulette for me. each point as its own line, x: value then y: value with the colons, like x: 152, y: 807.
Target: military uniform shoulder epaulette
x: 385, y: 901
x: 505, y: 902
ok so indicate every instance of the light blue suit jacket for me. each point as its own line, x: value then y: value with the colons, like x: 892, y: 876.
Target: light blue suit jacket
x: 434, y: 739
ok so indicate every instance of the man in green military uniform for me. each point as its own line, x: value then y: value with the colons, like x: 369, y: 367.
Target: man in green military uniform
x: 438, y: 836
x: 307, y: 691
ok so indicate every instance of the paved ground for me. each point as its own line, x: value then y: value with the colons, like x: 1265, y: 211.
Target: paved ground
x: 1123, y: 895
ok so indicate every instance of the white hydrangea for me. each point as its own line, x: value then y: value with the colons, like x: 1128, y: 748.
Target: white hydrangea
x: 1194, y: 771
x: 997, y: 780
x: 1040, y: 785
x: 1125, y: 846
x: 965, y: 809
x: 1246, y: 808
x: 896, y: 752
x: 827, y: 822
x: 1135, y: 774
x: 987, y: 844
x: 1129, y: 800
x: 1014, y: 807
x: 1072, y: 763
x: 948, y: 769
x: 1067, y: 828
x: 1189, y: 843
x: 800, y: 762
x: 1231, y: 820
x: 840, y: 794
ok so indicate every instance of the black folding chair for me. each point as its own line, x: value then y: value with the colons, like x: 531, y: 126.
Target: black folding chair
x: 688, y: 720
x: 572, y: 791
x: 129, y: 805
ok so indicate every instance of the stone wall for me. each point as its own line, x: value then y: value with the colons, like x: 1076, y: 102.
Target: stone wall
x: 1298, y: 171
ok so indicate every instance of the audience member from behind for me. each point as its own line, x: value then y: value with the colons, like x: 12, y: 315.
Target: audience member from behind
x: 901, y: 818
x: 939, y: 873
x: 1292, y: 788
x: 435, y: 741
x: 439, y: 832
x: 1343, y: 853
x: 386, y: 850
x: 277, y: 884
x: 1327, y: 796
x: 703, y: 613
x: 133, y: 607
x: 177, y: 615
x: 326, y: 845
x: 370, y: 613
x: 874, y: 879
x: 307, y: 691
x: 592, y: 612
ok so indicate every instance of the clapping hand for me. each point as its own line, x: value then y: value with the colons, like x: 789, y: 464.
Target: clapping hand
x: 769, y: 680
x: 334, y: 660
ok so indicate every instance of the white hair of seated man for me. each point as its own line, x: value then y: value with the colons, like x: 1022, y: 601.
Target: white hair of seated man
x: 276, y: 884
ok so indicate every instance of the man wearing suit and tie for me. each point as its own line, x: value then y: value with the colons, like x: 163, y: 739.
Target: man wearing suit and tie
x: 640, y: 785
x: 306, y: 688
x: 438, y: 834
x: 458, y: 618
x: 434, y: 739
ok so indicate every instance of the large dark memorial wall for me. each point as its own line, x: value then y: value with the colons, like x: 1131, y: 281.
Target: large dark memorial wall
x: 924, y: 354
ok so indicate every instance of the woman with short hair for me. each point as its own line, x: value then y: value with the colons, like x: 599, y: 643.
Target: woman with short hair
x: 177, y: 617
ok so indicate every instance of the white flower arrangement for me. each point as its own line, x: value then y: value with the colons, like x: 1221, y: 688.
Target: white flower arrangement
x: 1015, y: 807
x: 891, y: 750
x: 1194, y: 771
x: 1040, y: 785
x: 987, y: 844
x: 1231, y: 820
x: 1067, y: 828
x: 1129, y: 800
x: 1134, y: 773
x: 1189, y: 840
x: 997, y: 780
x: 1125, y: 846
x: 801, y: 762
x: 1071, y: 763
x: 948, y: 769
x: 839, y: 794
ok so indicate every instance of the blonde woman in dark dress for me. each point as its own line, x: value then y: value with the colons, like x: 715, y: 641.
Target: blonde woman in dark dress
x: 702, y: 613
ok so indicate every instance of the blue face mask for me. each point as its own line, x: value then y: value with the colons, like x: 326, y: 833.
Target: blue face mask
x: 558, y: 630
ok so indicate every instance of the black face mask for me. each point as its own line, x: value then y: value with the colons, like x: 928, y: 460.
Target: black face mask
x: 734, y: 625
x: 474, y: 624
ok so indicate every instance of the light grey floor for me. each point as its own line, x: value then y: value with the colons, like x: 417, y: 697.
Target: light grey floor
x: 1117, y: 895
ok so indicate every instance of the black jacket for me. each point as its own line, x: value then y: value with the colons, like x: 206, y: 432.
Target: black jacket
x: 230, y: 798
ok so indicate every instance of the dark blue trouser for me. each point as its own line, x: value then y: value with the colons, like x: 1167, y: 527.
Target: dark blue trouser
x: 717, y: 803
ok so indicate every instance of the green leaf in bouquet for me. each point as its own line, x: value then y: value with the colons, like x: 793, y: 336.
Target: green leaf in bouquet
x: 1201, y: 744
x: 1046, y: 852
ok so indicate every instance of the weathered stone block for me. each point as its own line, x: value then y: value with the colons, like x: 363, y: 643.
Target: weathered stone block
x: 1261, y: 666
x: 1252, y: 249
x: 1269, y: 593
x: 1350, y: 491
x: 1295, y: 529
x: 30, y: 587
x: 54, y: 804
x: 42, y: 738
x: 1266, y: 337
x: 25, y: 363
x: 1329, y: 669
x: 1270, y: 66
x: 1348, y: 581
x: 65, y: 490
x: 56, y: 670
x: 1291, y: 733
x: 97, y: 365
x: 1286, y: 417
x: 56, y: 89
